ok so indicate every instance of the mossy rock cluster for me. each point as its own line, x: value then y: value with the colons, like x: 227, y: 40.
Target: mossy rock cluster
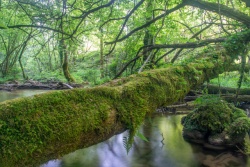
x: 217, y: 122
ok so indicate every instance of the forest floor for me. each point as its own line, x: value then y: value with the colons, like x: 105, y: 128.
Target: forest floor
x: 46, y: 85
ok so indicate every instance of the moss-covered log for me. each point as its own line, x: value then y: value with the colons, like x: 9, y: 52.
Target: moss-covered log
x: 214, y: 89
x: 46, y: 126
x: 240, y: 98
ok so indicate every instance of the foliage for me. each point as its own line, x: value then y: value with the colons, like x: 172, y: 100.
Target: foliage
x: 237, y: 43
x: 207, y: 100
x: 230, y: 79
x: 38, y: 39
x: 85, y: 25
x: 128, y: 141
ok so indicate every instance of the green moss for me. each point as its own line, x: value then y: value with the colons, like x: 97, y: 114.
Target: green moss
x: 238, y: 113
x: 215, y: 116
x: 210, y: 116
x: 31, y: 125
x: 239, y: 127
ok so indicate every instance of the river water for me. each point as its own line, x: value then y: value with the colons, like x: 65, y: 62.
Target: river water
x: 166, y: 147
x: 6, y: 95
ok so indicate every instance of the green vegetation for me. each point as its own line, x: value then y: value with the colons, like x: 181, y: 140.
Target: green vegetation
x: 215, y: 116
x: 36, y: 127
x: 55, y: 123
x: 237, y: 44
x: 94, y: 42
x: 212, y: 115
x: 230, y: 79
x: 163, y: 48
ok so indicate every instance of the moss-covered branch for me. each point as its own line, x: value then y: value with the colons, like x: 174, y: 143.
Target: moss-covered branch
x: 220, y: 9
x: 46, y: 126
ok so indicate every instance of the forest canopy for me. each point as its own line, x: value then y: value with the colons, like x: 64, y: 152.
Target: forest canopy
x: 99, y: 40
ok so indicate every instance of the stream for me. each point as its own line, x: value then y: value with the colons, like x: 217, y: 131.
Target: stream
x: 166, y: 147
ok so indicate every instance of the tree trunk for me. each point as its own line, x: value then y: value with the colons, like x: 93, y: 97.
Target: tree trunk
x: 46, y: 126
x: 148, y: 38
x: 60, y: 51
x: 101, y: 54
x: 21, y: 54
x: 63, y: 53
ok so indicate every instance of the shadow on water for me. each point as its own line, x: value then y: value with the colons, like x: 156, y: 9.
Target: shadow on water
x: 166, y: 148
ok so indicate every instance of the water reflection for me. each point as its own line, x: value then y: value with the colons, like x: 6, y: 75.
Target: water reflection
x: 5, y: 95
x: 165, y: 149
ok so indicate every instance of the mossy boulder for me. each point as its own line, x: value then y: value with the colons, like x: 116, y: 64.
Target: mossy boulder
x: 219, y: 122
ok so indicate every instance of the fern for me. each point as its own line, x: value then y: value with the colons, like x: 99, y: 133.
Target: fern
x: 127, y: 144
x: 128, y: 141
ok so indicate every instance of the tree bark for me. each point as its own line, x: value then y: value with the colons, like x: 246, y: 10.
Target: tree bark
x: 65, y: 65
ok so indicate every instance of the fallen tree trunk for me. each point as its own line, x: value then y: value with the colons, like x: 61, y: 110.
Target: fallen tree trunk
x: 240, y: 98
x: 228, y: 97
x: 47, y: 126
x: 214, y: 89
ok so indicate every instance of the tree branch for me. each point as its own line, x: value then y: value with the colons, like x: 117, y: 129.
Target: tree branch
x: 220, y: 9
x: 195, y: 35
x: 127, y: 17
x: 124, y: 24
x: 173, y: 46
x: 167, y: 12
x: 36, y: 26
x: 85, y: 14
x: 186, y: 45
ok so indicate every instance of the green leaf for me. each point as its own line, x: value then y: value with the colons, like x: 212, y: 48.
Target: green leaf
x: 2, y: 25
x: 141, y: 136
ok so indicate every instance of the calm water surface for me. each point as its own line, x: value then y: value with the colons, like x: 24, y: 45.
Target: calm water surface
x: 6, y: 95
x: 166, y: 147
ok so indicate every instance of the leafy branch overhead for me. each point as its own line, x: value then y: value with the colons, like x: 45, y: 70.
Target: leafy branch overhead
x: 127, y: 35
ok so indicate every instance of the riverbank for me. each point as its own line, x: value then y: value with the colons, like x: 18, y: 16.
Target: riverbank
x: 45, y: 85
